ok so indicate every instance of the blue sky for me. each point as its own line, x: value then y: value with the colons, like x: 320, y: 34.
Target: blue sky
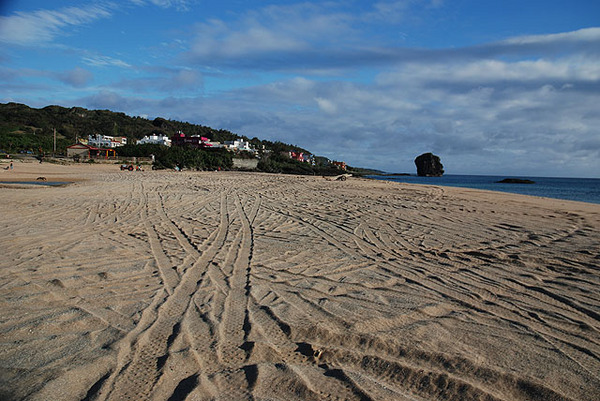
x: 492, y: 87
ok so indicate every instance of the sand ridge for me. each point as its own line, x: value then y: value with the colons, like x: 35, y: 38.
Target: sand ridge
x: 159, y: 285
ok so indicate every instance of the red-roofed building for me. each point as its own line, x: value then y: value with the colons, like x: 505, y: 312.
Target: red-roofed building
x: 340, y: 165
x: 179, y: 139
x: 86, y: 152
x: 300, y: 156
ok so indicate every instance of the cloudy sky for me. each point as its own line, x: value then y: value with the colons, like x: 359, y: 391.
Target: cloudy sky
x: 492, y: 87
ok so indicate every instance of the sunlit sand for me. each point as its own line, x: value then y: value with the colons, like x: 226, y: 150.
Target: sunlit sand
x: 161, y: 285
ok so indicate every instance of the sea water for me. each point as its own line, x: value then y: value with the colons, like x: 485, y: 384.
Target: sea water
x: 577, y: 189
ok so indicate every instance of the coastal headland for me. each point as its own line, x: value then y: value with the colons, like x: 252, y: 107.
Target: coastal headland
x: 164, y: 285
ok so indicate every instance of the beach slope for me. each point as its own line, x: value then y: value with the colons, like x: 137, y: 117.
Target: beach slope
x: 244, y: 286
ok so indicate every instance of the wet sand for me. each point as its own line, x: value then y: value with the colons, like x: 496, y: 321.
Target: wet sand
x: 159, y: 285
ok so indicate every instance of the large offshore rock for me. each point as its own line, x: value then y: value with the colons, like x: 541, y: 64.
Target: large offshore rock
x: 429, y: 165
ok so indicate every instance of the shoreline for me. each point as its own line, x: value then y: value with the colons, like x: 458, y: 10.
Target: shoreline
x: 72, y: 172
x: 571, y: 189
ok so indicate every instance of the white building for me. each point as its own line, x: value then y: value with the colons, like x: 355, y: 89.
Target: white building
x: 239, y: 144
x: 105, y: 141
x: 155, y: 139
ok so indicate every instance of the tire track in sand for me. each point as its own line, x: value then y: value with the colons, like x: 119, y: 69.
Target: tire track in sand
x: 233, y: 329
x: 139, y: 370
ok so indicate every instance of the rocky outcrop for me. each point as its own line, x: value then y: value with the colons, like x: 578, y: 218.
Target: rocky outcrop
x: 515, y: 181
x: 429, y: 165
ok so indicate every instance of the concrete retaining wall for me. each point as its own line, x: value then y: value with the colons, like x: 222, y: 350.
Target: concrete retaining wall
x: 246, y: 164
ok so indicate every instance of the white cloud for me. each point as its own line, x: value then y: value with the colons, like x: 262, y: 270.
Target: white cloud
x: 187, y: 78
x: 105, y: 61
x: 585, y: 35
x: 398, y: 11
x: 77, y: 77
x: 107, y: 99
x: 44, y: 25
x: 486, y: 71
x: 389, y: 11
x: 164, y: 81
x: 216, y: 39
x: 181, y: 5
x: 275, y: 31
x: 326, y: 105
x: 324, y: 39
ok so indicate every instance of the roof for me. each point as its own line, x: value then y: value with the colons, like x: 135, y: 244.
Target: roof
x: 84, y: 146
x: 81, y: 146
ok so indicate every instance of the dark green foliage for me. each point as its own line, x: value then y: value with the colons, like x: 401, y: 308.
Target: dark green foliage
x: 77, y: 122
x: 182, y: 157
x: 191, y: 158
x: 26, y: 129
x: 322, y: 161
x: 144, y: 150
x: 244, y: 154
x: 358, y: 171
x: 278, y: 163
x: 278, y: 147
x: 15, y: 139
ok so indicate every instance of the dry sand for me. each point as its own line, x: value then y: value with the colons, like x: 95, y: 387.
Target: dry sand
x: 237, y: 286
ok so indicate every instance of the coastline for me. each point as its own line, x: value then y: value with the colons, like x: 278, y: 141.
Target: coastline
x: 574, y: 189
x: 249, y: 285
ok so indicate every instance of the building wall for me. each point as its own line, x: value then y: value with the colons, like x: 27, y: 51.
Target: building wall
x: 155, y: 139
x: 248, y: 164
x: 82, y: 153
x: 105, y: 141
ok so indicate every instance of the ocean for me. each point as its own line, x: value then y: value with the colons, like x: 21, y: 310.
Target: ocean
x: 577, y: 189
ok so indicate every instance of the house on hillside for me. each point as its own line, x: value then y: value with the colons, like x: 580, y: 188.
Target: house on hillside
x: 155, y: 139
x: 81, y: 151
x: 239, y: 145
x: 105, y: 141
x: 200, y: 142
x: 301, y: 157
x: 207, y: 143
x: 339, y: 165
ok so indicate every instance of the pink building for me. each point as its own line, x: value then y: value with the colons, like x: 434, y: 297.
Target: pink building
x: 179, y: 139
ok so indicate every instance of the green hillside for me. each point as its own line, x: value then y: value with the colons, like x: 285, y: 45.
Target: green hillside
x: 23, y: 128
x: 27, y: 130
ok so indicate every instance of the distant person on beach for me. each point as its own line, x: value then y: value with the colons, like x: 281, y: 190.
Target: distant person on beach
x: 11, y: 165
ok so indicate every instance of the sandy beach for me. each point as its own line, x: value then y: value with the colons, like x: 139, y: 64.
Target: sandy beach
x: 159, y: 285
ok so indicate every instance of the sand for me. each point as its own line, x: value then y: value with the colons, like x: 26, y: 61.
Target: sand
x: 160, y: 285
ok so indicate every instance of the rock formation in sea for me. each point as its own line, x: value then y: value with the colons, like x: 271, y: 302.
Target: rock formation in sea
x: 429, y: 165
x: 515, y: 181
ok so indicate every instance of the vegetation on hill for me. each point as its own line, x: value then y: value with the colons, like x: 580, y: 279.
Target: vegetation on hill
x: 26, y: 129
x: 364, y: 171
x: 181, y: 157
x: 276, y: 162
